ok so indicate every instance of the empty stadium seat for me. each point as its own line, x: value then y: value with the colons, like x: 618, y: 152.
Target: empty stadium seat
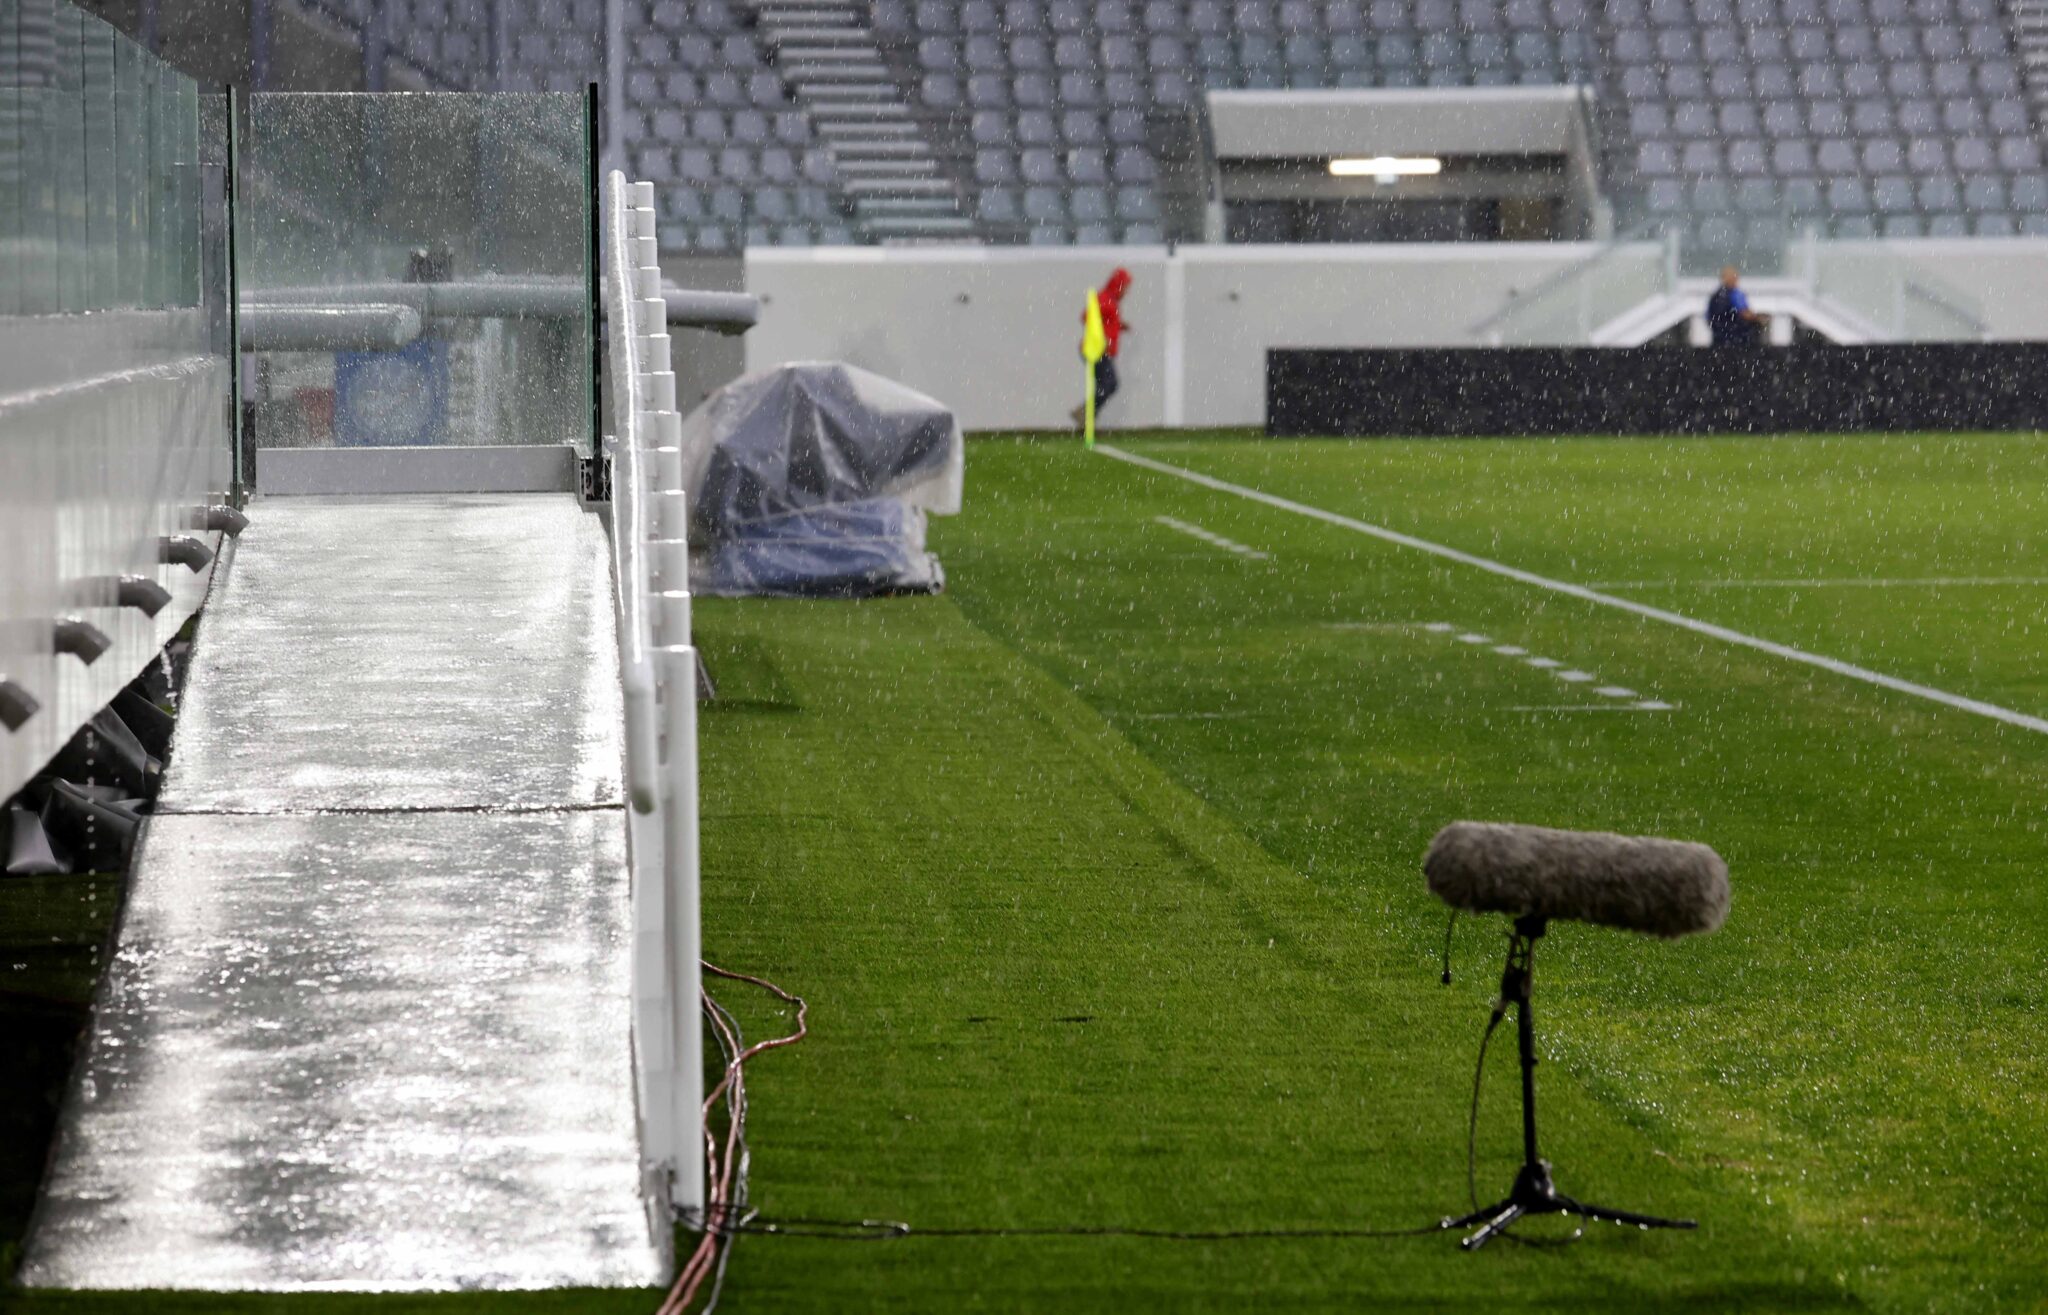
x: 1721, y: 116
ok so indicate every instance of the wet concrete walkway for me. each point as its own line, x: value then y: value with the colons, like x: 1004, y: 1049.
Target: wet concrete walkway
x: 367, y: 1026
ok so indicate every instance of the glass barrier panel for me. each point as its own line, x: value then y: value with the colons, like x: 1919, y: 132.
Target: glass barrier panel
x: 1899, y: 300
x: 112, y: 387
x: 1567, y: 307
x: 447, y: 236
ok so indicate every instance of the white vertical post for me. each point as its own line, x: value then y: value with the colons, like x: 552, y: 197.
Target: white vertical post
x: 664, y: 522
x: 676, y: 666
x: 1176, y: 339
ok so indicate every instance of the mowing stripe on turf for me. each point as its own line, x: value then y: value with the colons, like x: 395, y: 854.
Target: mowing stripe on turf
x: 1708, y: 628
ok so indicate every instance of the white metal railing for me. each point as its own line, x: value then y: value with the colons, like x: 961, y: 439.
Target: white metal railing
x: 1567, y: 306
x: 1901, y: 300
x: 658, y: 674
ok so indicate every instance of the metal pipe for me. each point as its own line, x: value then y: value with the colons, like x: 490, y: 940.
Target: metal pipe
x: 79, y: 638
x: 17, y: 705
x: 219, y: 518
x: 381, y: 326
x: 468, y: 298
x: 185, y: 549
x: 141, y: 593
x: 721, y: 312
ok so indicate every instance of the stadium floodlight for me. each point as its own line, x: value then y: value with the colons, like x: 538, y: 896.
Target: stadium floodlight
x: 1386, y: 168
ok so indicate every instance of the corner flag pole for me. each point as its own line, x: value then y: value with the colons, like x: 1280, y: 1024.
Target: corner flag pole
x: 1093, y: 344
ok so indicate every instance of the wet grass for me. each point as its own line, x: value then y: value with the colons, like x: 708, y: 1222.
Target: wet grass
x: 1101, y: 875
x: 1121, y: 774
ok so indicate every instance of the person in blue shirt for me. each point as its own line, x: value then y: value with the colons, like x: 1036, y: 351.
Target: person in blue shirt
x: 1729, y: 317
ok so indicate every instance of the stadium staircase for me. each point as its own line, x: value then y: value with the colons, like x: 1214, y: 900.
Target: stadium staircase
x: 1790, y: 297
x: 827, y: 53
x: 2029, y: 22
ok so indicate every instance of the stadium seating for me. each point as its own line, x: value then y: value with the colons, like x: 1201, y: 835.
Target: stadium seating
x: 1737, y: 122
x: 1746, y: 118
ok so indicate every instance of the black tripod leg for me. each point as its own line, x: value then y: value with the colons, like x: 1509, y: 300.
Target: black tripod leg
x: 1493, y: 1228
x: 1609, y: 1215
x: 1478, y: 1216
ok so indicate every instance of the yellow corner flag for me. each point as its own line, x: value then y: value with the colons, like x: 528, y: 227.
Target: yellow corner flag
x: 1093, y: 344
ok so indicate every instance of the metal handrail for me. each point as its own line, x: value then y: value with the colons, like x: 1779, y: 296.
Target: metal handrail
x: 658, y: 678
x: 1518, y: 298
x: 1941, y: 301
x: 1899, y: 280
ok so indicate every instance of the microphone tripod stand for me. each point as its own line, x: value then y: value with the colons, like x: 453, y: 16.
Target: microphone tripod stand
x: 1533, y: 1192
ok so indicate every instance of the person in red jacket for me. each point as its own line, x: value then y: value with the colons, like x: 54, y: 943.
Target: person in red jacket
x: 1111, y: 300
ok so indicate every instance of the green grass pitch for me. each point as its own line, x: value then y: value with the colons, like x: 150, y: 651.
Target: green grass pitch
x: 1101, y: 874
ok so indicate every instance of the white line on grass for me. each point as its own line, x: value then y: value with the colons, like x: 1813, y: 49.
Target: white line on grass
x: 1372, y: 627
x: 1189, y: 716
x: 1931, y: 582
x: 1647, y: 705
x: 1683, y: 622
x: 1212, y: 538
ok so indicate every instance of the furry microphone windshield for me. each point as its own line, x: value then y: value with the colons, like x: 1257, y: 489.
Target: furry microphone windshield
x: 1666, y: 888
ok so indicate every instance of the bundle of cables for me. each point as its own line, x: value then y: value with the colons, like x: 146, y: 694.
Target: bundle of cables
x: 728, y: 1214
x: 725, y: 1200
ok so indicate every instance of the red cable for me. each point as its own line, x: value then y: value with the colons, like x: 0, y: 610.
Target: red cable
x: 719, y: 1177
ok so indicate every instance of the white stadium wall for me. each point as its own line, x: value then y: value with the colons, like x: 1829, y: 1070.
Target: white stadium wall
x: 994, y: 332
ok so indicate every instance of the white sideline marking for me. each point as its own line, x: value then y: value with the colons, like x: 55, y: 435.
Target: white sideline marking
x: 1574, y: 676
x: 1683, y: 622
x: 1930, y: 582
x: 1189, y: 716
x: 1647, y: 705
x: 1214, y: 539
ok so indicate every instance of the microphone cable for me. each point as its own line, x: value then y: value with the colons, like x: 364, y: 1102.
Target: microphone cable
x: 887, y: 1230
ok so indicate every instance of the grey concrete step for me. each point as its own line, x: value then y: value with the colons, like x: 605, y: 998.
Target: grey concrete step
x: 874, y: 141
x: 863, y: 112
x: 906, y: 205
x: 847, y: 92
x: 860, y: 187
x: 933, y: 226
x: 851, y: 52
x: 904, y: 166
x: 806, y: 73
x: 812, y: 16
x: 820, y: 36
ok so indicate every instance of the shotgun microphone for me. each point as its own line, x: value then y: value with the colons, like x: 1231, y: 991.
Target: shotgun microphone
x: 1667, y: 888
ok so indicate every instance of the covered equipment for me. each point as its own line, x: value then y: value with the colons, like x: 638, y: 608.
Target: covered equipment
x: 814, y: 479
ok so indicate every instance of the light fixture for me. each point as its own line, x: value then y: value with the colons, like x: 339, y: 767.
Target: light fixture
x: 1386, y: 168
